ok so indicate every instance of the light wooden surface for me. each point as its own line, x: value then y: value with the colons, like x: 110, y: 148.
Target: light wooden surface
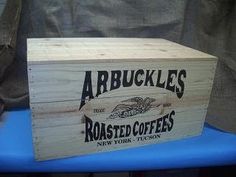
x: 88, y: 50
x: 56, y: 72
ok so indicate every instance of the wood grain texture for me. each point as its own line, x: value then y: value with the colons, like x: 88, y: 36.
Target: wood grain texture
x: 107, y: 50
x: 166, y: 100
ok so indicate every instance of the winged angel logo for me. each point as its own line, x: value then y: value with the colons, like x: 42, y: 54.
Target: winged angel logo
x: 132, y: 107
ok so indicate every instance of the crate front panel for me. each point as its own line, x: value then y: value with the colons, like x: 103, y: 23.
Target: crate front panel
x: 85, y: 108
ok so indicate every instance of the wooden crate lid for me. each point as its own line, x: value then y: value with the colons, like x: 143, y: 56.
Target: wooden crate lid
x: 46, y: 50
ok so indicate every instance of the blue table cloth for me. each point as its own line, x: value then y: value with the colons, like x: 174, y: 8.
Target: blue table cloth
x: 212, y: 148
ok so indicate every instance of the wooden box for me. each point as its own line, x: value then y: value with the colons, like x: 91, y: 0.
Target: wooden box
x: 100, y: 94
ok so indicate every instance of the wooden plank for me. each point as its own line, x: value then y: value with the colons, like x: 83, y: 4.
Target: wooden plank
x: 87, y: 49
x: 50, y: 111
x: 59, y: 141
x: 55, y: 83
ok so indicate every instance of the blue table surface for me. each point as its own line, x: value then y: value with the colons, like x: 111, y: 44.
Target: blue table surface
x: 212, y: 148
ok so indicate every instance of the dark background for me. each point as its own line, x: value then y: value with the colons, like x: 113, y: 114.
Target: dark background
x: 227, y: 171
x: 206, y: 25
